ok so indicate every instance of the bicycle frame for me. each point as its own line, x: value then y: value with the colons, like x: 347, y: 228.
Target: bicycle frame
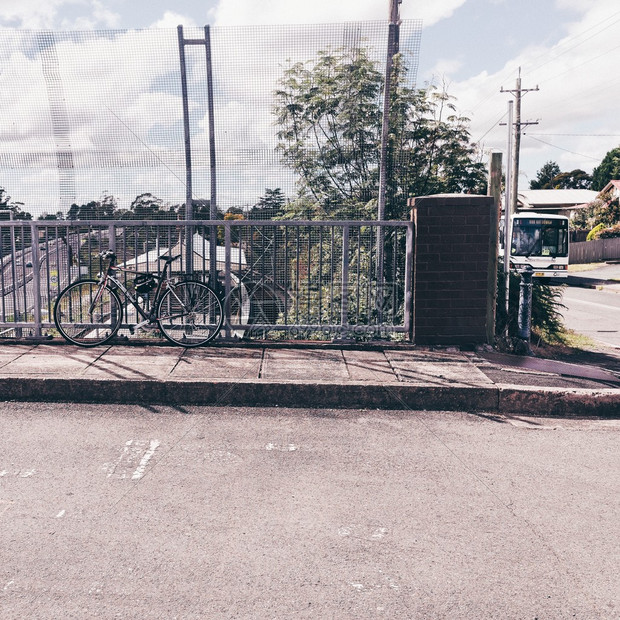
x: 108, y: 278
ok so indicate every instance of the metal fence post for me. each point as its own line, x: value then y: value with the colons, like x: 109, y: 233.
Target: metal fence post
x: 227, y: 283
x: 36, y: 279
x: 409, y: 257
x: 344, y: 302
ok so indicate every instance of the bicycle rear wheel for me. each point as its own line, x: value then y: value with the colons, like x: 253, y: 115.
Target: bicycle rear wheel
x: 86, y: 315
x: 190, y: 314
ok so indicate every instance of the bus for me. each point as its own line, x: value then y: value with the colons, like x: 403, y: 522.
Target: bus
x: 540, y: 241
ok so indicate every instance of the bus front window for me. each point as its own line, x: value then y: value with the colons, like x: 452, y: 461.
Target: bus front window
x: 525, y: 240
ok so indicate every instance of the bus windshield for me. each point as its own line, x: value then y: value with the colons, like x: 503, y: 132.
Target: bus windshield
x: 539, y: 237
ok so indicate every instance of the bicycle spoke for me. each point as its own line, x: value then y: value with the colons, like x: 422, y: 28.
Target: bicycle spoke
x: 190, y: 314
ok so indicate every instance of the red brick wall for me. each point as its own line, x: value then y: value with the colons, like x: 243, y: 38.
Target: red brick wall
x: 454, y: 253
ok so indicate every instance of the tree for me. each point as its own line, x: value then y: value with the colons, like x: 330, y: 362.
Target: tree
x: 6, y: 204
x: 545, y: 176
x: 268, y: 206
x: 608, y: 170
x: 329, y: 115
x: 102, y: 209
x: 329, y: 122
x: 576, y: 179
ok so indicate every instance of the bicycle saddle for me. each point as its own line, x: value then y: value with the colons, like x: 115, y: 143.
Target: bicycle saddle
x: 170, y: 259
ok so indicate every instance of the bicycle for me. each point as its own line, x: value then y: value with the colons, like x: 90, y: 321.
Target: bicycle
x: 89, y: 312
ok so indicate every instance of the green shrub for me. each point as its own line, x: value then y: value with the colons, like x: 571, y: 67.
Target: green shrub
x: 609, y: 233
x: 593, y: 234
x: 547, y: 308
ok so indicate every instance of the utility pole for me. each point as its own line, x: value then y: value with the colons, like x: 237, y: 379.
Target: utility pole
x: 512, y: 187
x: 518, y: 125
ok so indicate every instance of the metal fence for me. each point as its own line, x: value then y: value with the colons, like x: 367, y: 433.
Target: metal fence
x: 594, y: 251
x: 294, y: 279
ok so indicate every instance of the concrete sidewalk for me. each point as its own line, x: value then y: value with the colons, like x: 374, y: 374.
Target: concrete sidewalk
x: 307, y: 375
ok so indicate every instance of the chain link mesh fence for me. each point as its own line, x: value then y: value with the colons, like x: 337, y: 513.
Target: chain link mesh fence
x: 94, y: 120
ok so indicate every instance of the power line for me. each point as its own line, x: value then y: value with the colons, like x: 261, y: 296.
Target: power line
x: 562, y: 149
x: 587, y: 135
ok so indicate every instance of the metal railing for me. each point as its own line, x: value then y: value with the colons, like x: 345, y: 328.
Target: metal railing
x: 290, y: 278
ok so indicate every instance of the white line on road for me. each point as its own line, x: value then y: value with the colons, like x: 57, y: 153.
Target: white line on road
x: 594, y: 303
x: 145, y: 459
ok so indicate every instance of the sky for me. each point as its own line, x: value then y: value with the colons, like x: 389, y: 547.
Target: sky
x: 566, y: 49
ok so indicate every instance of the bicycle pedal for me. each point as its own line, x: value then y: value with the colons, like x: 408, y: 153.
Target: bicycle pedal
x: 132, y: 331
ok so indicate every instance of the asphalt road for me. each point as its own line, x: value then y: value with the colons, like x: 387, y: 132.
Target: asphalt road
x: 593, y: 313
x: 155, y: 512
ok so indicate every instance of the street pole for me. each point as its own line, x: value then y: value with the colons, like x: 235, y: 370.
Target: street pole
x: 507, y: 214
x: 392, y: 50
x: 518, y: 125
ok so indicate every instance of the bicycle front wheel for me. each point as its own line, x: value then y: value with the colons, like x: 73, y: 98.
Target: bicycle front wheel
x: 190, y: 314
x: 86, y: 314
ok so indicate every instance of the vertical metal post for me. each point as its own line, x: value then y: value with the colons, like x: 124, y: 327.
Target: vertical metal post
x: 344, y: 301
x: 212, y: 160
x: 409, y: 281
x: 36, y: 279
x: 392, y: 49
x: 189, y: 214
x: 227, y: 283
x: 525, y: 309
x: 507, y: 214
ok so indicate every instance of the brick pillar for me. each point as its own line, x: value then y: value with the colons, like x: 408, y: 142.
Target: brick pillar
x: 454, y: 274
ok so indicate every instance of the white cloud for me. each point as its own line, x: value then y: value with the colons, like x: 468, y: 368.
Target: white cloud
x: 578, y: 94
x: 247, y: 12
x: 29, y: 13
x: 170, y: 19
x: 445, y: 67
x: 37, y: 15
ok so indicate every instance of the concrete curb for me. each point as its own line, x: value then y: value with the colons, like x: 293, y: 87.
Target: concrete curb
x: 493, y: 399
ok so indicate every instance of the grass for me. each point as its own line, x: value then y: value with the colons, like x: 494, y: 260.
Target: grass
x: 585, y: 267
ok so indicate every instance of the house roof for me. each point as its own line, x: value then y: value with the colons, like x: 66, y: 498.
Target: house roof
x: 615, y: 184
x: 554, y: 199
x: 201, y: 249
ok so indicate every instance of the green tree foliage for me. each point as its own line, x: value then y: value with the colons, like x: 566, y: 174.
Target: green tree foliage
x: 604, y: 212
x: 551, y: 177
x: 269, y: 206
x: 608, y: 170
x: 545, y: 176
x: 329, y: 117
x: 102, y: 209
x: 575, y: 179
x: 6, y: 204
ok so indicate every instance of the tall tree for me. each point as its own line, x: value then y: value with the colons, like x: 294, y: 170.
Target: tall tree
x: 329, y: 115
x: 545, y: 176
x: 270, y: 205
x: 575, y: 179
x: 608, y: 170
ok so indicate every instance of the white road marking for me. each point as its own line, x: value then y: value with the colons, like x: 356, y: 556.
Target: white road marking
x: 291, y: 447
x: 61, y: 514
x: 145, y: 460
x: 594, y: 303
x: 135, y: 451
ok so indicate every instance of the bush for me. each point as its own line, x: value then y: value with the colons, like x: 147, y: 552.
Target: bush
x: 547, y: 308
x: 609, y: 233
x: 593, y: 234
